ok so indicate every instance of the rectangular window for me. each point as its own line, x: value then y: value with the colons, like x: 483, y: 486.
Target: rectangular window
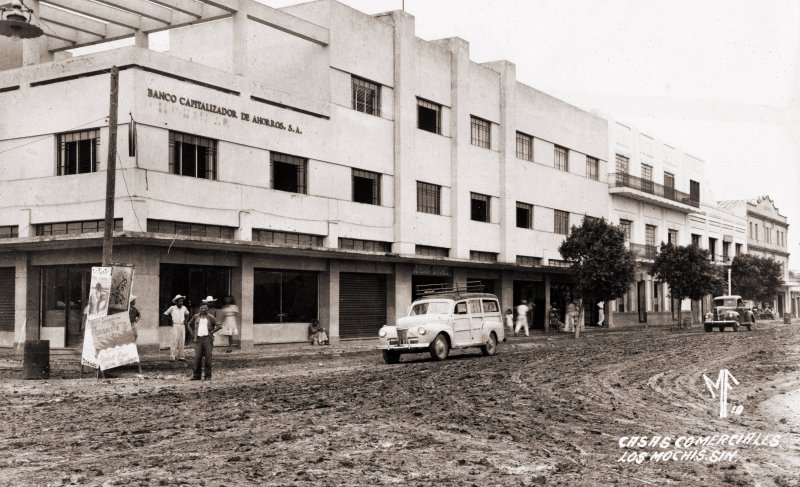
x: 524, y: 146
x: 9, y: 231
x: 647, y: 178
x: 366, y: 187
x: 672, y: 237
x: 7, y: 298
x: 650, y: 235
x: 191, y: 155
x: 725, y: 251
x: 287, y: 238
x: 625, y: 225
x: 481, y: 132
x: 561, y: 160
x: 738, y: 249
x: 524, y: 215
x: 712, y: 248
x: 289, y: 173
x: 480, y: 210
x: 695, y: 240
x: 284, y: 296
x: 73, y: 228
x: 527, y: 261
x: 623, y: 164
x: 756, y: 231
x: 77, y: 152
x: 189, y: 229
x: 366, y: 96
x: 480, y: 256
x: 656, y: 296
x: 694, y: 191
x: 430, y: 251
x: 364, y: 245
x: 428, y: 198
x: 669, y: 180
x: 592, y: 168
x: 558, y: 263
x: 561, y: 222
x: 429, y: 116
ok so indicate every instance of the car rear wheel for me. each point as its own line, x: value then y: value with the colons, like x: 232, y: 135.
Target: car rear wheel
x: 491, y: 345
x: 391, y: 357
x: 439, y: 347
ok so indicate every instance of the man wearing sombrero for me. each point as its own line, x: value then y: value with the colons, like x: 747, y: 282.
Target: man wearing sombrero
x: 178, y: 314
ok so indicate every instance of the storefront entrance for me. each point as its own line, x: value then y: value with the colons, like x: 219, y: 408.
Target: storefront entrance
x: 362, y: 304
x: 194, y: 282
x: 532, y: 292
x: 64, y: 296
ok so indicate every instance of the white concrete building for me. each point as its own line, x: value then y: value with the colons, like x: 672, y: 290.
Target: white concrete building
x: 312, y: 161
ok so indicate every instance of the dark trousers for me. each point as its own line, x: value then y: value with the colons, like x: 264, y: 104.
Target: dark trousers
x: 203, y: 348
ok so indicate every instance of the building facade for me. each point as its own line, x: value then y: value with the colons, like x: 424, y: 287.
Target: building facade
x: 314, y: 162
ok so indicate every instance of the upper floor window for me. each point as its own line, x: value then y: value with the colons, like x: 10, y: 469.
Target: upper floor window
x: 672, y: 237
x: 287, y: 238
x: 191, y: 155
x: 529, y: 261
x: 625, y: 225
x: 561, y: 222
x: 561, y: 159
x: 694, y: 191
x: 669, y: 180
x: 623, y: 164
x: 524, y: 146
x: 429, y: 116
x: 428, y: 198
x: 481, y: 132
x: 481, y: 256
x: 479, y: 210
x: 365, y: 245
x: 288, y: 173
x: 366, y: 187
x: 366, y: 96
x: 650, y: 235
x: 695, y: 240
x: 592, y: 168
x: 430, y: 251
x: 72, y: 228
x: 712, y: 248
x: 9, y: 231
x: 647, y: 178
x: 77, y: 152
x: 524, y: 215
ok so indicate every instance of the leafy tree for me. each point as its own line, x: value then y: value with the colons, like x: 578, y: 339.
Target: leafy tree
x: 688, y: 271
x: 754, y: 277
x: 604, y: 267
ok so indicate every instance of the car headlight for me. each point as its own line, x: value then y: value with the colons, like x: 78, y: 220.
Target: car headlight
x: 382, y: 333
x: 421, y: 330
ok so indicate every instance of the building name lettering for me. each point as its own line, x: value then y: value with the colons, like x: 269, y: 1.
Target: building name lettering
x: 227, y: 112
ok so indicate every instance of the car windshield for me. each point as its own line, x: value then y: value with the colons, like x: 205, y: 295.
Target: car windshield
x: 430, y: 308
x: 730, y: 302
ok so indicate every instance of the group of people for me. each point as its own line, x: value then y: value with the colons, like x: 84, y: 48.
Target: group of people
x: 571, y: 317
x: 202, y: 327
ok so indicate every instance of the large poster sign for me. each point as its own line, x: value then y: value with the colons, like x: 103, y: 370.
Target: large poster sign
x: 98, y: 292
x: 113, y: 341
x: 120, y: 289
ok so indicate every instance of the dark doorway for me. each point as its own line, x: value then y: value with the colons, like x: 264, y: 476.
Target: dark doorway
x: 641, y: 301
x: 532, y: 292
x: 486, y: 284
x: 417, y: 281
x: 194, y: 282
x: 64, y: 295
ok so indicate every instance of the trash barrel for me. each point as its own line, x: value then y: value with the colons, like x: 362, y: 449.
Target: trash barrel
x: 36, y: 361
x: 787, y: 318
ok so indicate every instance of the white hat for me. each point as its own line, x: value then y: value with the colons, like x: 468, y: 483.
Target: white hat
x: 209, y: 299
x: 132, y: 298
x: 177, y: 297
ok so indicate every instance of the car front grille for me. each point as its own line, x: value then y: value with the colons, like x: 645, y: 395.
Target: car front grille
x: 401, y: 336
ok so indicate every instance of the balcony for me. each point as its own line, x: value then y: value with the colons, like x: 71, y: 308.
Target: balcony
x: 644, y: 252
x: 649, y: 192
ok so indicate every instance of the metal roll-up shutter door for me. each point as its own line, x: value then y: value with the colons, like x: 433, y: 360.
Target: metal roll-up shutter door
x: 6, y: 299
x: 362, y: 304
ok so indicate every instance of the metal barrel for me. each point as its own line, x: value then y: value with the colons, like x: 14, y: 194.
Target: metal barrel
x: 787, y: 318
x: 36, y: 361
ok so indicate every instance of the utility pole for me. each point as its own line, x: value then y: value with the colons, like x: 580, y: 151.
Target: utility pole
x: 111, y: 169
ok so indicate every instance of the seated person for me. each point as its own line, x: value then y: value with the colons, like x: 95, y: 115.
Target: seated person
x: 316, y: 334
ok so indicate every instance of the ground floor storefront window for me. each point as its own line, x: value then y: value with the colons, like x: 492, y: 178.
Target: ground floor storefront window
x: 285, y: 296
x: 64, y: 296
x: 194, y: 282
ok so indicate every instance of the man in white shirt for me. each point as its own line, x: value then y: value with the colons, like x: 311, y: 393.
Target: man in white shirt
x: 522, y: 318
x: 203, y: 326
x: 177, y: 314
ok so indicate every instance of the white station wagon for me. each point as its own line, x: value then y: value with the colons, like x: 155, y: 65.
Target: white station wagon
x: 439, y: 322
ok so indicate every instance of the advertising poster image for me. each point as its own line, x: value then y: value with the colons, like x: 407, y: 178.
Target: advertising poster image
x: 99, y: 292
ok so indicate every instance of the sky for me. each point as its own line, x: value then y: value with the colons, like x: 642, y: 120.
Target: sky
x: 719, y: 79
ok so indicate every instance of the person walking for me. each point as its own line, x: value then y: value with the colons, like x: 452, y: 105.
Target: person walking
x: 177, y: 314
x: 202, y: 326
x: 522, y: 317
x: 601, y: 315
x: 229, y: 315
x: 134, y: 315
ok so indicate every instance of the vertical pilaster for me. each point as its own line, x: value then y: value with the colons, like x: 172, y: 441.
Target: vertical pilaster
x: 140, y: 39
x: 506, y: 290
x: 34, y: 51
x: 244, y: 279
x: 20, y: 297
x: 240, y: 42
x: 329, y: 301
x: 400, y: 292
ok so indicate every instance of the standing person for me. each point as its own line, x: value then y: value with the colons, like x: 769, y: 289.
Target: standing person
x: 178, y: 314
x: 510, y: 321
x: 202, y: 326
x: 229, y: 315
x: 522, y: 317
x: 570, y: 317
x: 601, y: 314
x: 134, y: 315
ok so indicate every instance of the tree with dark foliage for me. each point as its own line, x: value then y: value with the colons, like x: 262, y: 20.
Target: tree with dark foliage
x: 598, y: 257
x: 754, y: 277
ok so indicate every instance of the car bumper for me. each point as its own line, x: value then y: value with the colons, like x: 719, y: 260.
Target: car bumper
x: 722, y: 322
x: 416, y: 347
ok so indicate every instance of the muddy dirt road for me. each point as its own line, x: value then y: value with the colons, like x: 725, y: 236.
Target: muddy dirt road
x: 547, y: 412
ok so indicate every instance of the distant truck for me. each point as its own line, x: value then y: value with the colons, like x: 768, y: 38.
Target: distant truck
x: 730, y: 312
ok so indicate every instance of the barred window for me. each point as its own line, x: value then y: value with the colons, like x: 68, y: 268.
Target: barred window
x: 672, y: 237
x: 527, y: 261
x: 189, y: 229
x: 650, y: 234
x: 429, y: 116
x: 287, y: 238
x: 669, y: 180
x: 695, y: 240
x: 480, y: 256
x: 561, y: 222
x: 558, y: 263
x: 429, y: 251
x: 365, y: 245
x: 481, y: 132
x: 9, y: 231
x: 366, y: 96
x: 647, y: 178
x: 561, y: 160
x: 77, y: 152
x: 524, y: 146
x: 366, y: 187
x: 191, y: 155
x: 592, y: 168
x: 74, y: 228
x: 429, y: 198
x: 288, y: 173
x: 480, y: 210
x: 625, y: 225
x: 622, y: 164
x: 524, y: 215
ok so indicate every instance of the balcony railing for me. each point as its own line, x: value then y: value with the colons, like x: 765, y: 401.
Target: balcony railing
x: 622, y: 180
x: 641, y: 251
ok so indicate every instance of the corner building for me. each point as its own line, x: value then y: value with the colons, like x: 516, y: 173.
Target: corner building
x: 311, y: 161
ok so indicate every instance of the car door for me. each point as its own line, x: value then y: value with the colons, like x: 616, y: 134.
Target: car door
x: 491, y: 315
x: 461, y: 324
x: 475, y: 320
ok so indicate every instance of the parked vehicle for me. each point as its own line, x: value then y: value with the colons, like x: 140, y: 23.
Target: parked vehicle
x: 443, y: 321
x: 730, y: 312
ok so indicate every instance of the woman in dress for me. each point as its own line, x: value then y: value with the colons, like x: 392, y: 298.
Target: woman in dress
x: 230, y: 316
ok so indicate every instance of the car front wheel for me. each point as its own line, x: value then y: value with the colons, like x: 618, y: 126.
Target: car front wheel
x: 439, y: 347
x: 391, y: 357
x: 491, y: 345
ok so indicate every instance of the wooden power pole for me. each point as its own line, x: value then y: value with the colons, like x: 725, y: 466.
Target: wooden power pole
x: 111, y: 172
